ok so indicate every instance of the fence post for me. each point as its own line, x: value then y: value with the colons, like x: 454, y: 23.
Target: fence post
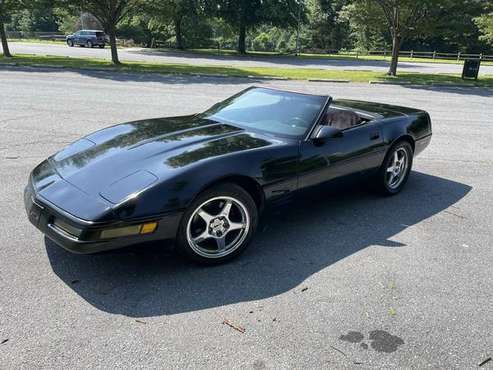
x: 434, y: 54
x: 481, y: 56
x: 412, y: 54
x: 458, y: 57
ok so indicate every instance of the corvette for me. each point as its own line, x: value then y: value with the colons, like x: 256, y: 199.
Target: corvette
x: 204, y: 179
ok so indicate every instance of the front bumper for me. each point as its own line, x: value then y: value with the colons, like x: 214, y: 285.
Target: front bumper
x: 43, y: 215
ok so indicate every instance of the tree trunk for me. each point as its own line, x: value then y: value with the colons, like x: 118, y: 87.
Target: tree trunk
x: 114, y: 50
x: 179, y: 33
x: 242, y: 39
x: 5, y: 44
x: 396, y: 48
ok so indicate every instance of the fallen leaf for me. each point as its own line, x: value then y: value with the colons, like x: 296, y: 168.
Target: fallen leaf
x: 4, y: 341
x: 140, y: 321
x: 304, y: 289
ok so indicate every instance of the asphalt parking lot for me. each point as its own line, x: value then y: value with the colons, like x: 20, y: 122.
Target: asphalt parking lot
x: 346, y: 280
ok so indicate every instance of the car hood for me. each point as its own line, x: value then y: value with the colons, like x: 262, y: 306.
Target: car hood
x: 120, y: 161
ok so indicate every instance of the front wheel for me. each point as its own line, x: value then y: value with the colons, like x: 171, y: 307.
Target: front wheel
x: 89, y: 44
x: 101, y: 46
x: 395, y: 170
x: 70, y: 43
x: 218, y: 225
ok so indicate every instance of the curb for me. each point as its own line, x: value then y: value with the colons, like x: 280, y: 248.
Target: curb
x: 328, y: 80
x: 207, y: 74
x: 371, y: 82
x: 269, y: 78
x: 46, y: 66
x: 408, y: 83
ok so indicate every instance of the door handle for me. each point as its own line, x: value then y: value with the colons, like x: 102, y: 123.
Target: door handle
x: 374, y: 135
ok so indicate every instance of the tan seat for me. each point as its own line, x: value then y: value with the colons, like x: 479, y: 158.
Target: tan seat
x: 342, y: 119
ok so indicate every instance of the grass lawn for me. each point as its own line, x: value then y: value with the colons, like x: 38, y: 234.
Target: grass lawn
x: 328, y: 56
x: 289, y: 73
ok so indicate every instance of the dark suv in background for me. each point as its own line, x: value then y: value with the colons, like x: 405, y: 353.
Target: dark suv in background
x: 87, y: 38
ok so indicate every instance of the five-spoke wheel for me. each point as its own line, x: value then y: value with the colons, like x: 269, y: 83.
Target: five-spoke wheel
x: 218, y: 225
x: 395, y: 168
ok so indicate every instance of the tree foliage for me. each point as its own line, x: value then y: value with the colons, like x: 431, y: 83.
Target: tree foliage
x: 8, y: 8
x: 108, y: 12
x: 270, y: 25
x: 243, y: 15
x: 485, y: 24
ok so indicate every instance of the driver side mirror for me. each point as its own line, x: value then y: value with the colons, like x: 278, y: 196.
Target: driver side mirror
x: 327, y: 132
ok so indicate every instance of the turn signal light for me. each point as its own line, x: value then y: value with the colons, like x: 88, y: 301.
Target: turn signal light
x: 148, y: 228
x: 118, y: 232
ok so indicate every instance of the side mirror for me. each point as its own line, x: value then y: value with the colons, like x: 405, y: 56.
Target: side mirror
x: 327, y: 132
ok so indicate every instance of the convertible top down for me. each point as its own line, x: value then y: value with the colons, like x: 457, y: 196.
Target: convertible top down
x: 203, y: 179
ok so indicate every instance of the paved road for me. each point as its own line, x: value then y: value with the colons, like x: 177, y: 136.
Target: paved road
x: 149, y: 55
x: 334, y: 282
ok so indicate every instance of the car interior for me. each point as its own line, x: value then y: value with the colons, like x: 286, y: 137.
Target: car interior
x: 344, y: 119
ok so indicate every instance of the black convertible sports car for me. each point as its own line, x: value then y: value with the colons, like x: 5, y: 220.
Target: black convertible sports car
x: 203, y: 179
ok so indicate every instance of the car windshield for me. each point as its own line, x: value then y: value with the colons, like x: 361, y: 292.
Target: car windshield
x: 278, y: 112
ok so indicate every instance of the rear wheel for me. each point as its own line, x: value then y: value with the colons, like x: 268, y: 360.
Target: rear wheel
x: 101, y: 46
x: 218, y: 225
x: 89, y: 44
x: 70, y: 43
x: 394, y: 172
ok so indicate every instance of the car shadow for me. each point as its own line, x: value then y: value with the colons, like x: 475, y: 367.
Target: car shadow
x: 293, y: 243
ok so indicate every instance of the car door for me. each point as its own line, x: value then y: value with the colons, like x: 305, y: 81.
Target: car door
x: 81, y: 38
x: 76, y: 37
x: 358, y: 149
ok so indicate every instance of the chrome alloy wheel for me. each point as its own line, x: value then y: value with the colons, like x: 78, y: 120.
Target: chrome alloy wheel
x: 218, y: 227
x: 397, y: 169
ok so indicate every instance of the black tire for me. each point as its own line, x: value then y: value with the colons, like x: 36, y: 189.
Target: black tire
x: 102, y: 46
x: 89, y: 44
x: 383, y: 180
x: 70, y: 43
x: 246, y: 208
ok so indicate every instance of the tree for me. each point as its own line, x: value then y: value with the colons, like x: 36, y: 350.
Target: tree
x: 327, y: 29
x: 402, y: 18
x: 367, y: 25
x: 109, y: 12
x: 245, y: 14
x: 176, y: 13
x: 7, y: 8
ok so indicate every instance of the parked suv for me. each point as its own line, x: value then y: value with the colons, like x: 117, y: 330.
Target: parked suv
x: 87, y: 38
